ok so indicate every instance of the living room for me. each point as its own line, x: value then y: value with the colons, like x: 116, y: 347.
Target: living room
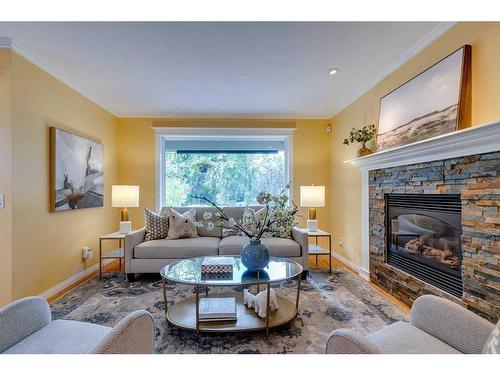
x: 254, y: 188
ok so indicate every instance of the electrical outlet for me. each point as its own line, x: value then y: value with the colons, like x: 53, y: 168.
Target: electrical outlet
x: 85, y: 252
x: 2, y: 201
x: 340, y: 241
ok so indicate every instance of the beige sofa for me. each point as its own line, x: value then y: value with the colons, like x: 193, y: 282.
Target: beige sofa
x: 150, y: 256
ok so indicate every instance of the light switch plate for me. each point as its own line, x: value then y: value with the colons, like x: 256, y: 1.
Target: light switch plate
x: 2, y: 201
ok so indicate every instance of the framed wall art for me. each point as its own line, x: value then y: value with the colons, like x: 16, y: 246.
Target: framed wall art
x: 428, y: 105
x: 77, y: 171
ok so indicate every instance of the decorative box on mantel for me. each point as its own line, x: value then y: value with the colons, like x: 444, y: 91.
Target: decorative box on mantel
x: 447, y: 241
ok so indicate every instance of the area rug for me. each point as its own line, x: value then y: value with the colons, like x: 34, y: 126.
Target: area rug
x: 327, y: 302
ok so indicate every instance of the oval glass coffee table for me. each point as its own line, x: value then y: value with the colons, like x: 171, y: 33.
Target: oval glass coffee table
x: 185, y: 313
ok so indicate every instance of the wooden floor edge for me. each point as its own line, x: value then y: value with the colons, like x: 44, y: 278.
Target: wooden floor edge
x: 73, y: 286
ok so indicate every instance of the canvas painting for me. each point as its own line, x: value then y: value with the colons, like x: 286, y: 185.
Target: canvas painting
x: 77, y: 173
x: 429, y: 105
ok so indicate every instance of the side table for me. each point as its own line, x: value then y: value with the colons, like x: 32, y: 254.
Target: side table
x: 118, y: 253
x: 317, y: 250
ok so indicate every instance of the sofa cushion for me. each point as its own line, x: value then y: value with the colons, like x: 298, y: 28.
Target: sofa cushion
x: 200, y: 210
x: 278, y: 247
x: 237, y: 212
x: 403, y: 338
x: 234, y: 212
x: 177, y: 249
x: 61, y: 337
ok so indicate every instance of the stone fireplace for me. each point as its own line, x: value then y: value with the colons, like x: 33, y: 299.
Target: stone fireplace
x: 432, y: 219
x: 424, y: 238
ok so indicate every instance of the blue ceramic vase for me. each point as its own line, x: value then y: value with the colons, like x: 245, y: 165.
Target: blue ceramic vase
x: 255, y: 256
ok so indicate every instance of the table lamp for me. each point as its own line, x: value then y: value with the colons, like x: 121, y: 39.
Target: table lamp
x: 312, y: 197
x: 125, y: 196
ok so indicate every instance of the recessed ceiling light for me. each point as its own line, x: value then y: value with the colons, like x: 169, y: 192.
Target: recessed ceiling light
x: 332, y: 71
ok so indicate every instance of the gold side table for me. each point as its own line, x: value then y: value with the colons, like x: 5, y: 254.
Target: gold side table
x: 118, y: 253
x: 317, y: 250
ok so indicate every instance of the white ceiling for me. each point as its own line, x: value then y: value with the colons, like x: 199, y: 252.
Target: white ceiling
x: 241, y: 70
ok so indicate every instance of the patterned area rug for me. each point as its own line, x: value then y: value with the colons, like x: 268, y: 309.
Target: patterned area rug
x: 327, y: 302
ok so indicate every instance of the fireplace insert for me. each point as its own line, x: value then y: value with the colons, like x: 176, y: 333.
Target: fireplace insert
x: 423, y: 238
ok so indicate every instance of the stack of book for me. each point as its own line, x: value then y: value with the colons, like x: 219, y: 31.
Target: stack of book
x: 217, y: 309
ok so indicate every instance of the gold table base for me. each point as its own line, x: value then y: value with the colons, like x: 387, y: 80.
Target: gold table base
x: 183, y: 315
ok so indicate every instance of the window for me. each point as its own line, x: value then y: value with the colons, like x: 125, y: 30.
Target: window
x: 230, y: 169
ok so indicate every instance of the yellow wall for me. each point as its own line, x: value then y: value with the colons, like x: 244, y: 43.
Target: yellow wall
x: 47, y: 246
x: 5, y: 177
x: 136, y: 155
x: 345, y: 180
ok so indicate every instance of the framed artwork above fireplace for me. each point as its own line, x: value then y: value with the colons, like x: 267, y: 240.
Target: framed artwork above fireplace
x: 431, y: 104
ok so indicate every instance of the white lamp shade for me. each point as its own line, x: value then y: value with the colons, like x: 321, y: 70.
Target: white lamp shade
x: 312, y: 196
x: 124, y: 196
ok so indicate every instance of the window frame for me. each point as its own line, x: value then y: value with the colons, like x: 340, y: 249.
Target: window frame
x: 165, y: 134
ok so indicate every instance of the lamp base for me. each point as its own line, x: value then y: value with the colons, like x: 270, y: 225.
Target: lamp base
x: 125, y: 227
x: 312, y: 225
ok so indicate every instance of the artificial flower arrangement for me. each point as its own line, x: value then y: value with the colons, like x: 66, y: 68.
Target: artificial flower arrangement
x: 276, y: 218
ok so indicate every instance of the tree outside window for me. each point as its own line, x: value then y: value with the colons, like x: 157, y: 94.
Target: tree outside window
x: 228, y: 178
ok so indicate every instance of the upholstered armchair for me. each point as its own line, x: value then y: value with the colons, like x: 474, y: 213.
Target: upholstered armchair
x: 437, y: 326
x: 26, y: 327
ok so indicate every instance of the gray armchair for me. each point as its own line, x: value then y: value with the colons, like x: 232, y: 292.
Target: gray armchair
x: 437, y: 326
x: 26, y: 327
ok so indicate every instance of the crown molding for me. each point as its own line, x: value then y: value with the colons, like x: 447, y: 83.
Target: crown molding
x: 11, y: 44
x: 404, y: 58
x: 415, y: 49
x: 5, y: 43
x: 229, y: 116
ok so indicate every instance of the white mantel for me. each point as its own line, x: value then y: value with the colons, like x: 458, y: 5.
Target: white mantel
x: 471, y: 141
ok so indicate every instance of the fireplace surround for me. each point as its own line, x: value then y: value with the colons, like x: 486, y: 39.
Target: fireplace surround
x: 464, y: 163
x: 476, y: 180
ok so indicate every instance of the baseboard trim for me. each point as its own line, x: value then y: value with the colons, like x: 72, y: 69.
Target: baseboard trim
x: 73, y: 280
x: 363, y: 273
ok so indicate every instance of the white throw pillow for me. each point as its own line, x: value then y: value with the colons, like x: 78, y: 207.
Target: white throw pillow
x: 181, y: 225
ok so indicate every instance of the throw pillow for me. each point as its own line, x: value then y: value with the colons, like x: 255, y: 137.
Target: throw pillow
x: 181, y: 225
x: 156, y: 226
